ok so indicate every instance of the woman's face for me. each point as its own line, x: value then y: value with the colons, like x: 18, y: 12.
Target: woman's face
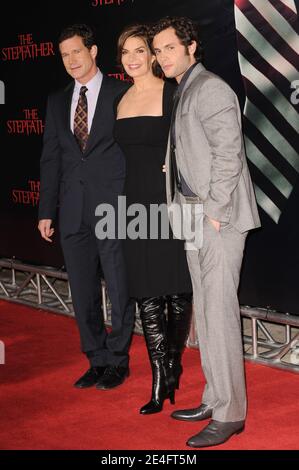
x: 136, y: 57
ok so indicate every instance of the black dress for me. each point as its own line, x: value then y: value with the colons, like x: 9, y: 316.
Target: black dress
x: 156, y: 267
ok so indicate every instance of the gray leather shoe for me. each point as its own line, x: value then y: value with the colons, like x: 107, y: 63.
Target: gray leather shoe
x: 215, y: 433
x: 193, y: 414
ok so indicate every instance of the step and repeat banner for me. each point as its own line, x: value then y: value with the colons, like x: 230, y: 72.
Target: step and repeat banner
x: 252, y: 44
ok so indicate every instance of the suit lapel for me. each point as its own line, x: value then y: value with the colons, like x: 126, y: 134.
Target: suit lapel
x: 104, y: 102
x: 195, y: 72
x: 66, y: 115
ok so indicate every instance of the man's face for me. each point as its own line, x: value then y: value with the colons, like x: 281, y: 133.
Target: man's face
x: 172, y: 55
x: 79, y: 61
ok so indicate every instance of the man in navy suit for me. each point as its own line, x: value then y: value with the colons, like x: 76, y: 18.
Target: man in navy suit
x: 82, y: 167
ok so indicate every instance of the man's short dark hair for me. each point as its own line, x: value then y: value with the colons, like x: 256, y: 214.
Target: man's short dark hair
x: 86, y: 32
x: 185, y: 29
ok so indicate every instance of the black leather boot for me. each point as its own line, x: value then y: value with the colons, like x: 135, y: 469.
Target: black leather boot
x: 154, y: 328
x: 178, y: 326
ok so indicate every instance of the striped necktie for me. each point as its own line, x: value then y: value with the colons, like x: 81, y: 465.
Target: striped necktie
x: 268, y: 44
x: 81, y: 119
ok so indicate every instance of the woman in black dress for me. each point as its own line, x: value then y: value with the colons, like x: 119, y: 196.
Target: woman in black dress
x: 157, y: 268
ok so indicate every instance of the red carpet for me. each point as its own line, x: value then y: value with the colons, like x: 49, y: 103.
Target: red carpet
x: 41, y: 410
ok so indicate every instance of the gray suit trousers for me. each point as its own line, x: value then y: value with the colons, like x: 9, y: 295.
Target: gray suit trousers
x: 215, y: 272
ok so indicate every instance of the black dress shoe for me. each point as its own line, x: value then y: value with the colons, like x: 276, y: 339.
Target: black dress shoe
x: 193, y: 414
x: 90, y: 378
x: 113, y: 377
x: 215, y: 433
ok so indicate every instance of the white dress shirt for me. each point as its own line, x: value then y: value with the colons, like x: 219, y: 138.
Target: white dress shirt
x: 93, y: 89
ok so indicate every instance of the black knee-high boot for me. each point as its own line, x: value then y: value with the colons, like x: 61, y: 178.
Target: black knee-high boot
x: 154, y: 328
x: 178, y: 326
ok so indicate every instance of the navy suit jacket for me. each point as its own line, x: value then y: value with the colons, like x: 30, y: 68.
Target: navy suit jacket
x: 65, y: 171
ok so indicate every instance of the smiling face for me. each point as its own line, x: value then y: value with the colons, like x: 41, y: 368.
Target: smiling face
x: 136, y: 58
x: 79, y: 61
x: 174, y: 58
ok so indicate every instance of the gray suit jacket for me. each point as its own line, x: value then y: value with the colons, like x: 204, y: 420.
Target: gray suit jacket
x: 210, y: 151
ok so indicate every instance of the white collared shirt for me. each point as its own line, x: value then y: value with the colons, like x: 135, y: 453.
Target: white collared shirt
x: 93, y: 89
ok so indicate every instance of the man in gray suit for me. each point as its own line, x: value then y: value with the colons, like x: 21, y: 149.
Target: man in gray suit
x: 206, y: 168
